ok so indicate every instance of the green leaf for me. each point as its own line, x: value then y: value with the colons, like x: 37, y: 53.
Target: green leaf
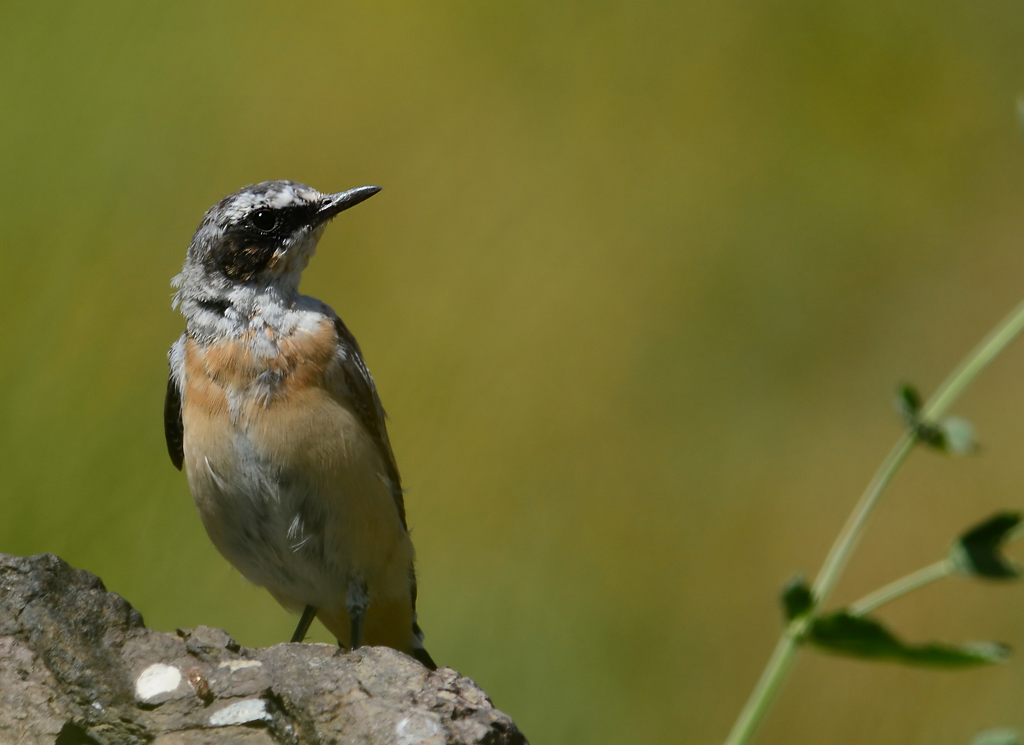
x: 957, y: 435
x: 797, y: 599
x: 866, y: 638
x: 979, y: 550
x: 909, y: 403
x: 954, y: 435
x: 930, y: 435
x: 997, y: 737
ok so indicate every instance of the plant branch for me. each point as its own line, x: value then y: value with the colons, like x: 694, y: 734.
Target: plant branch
x: 837, y: 557
x: 987, y: 350
x: 936, y: 407
x: 771, y: 681
x: 902, y: 586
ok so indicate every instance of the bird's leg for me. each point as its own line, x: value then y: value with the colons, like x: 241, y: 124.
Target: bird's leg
x: 304, y: 623
x: 356, y: 603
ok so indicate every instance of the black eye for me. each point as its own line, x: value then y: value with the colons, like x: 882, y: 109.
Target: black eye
x: 263, y: 220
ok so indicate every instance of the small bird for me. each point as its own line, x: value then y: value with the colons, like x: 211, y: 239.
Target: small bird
x: 272, y: 412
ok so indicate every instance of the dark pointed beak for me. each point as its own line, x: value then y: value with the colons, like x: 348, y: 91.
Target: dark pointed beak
x: 335, y: 203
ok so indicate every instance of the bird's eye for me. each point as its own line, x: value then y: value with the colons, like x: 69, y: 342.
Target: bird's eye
x: 263, y: 220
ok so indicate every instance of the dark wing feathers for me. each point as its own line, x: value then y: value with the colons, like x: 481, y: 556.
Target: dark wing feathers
x: 173, y: 427
x: 368, y: 408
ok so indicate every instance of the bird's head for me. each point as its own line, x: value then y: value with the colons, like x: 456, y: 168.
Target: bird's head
x: 261, y: 236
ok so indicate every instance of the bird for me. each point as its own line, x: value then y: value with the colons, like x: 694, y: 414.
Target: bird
x: 272, y: 413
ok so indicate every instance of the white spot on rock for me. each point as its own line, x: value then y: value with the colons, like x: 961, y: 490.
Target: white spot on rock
x: 233, y: 665
x: 240, y: 712
x: 418, y: 729
x: 156, y: 680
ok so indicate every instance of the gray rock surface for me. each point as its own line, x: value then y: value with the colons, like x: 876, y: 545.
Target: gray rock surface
x: 77, y: 666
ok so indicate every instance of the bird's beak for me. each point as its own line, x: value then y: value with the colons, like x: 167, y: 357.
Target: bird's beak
x: 335, y: 203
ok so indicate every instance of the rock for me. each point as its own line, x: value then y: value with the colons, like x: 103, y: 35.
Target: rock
x: 79, y: 667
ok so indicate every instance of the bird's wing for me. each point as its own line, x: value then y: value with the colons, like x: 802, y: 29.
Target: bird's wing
x: 367, y: 406
x: 173, y: 427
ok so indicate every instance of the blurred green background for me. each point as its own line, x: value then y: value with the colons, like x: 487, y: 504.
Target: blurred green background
x: 637, y: 294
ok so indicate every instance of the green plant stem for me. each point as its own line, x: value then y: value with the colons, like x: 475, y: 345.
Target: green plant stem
x: 987, y: 350
x: 902, y: 586
x: 768, y: 685
x: 937, y: 406
x: 916, y: 580
x: 837, y: 557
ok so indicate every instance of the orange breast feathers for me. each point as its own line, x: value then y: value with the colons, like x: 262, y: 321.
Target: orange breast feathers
x: 302, y: 361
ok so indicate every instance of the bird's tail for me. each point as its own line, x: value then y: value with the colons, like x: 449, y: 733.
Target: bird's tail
x: 419, y: 652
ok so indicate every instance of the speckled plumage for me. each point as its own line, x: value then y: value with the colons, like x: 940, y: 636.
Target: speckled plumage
x: 274, y: 415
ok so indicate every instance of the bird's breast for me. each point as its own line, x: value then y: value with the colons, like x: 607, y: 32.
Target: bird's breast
x: 291, y: 487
